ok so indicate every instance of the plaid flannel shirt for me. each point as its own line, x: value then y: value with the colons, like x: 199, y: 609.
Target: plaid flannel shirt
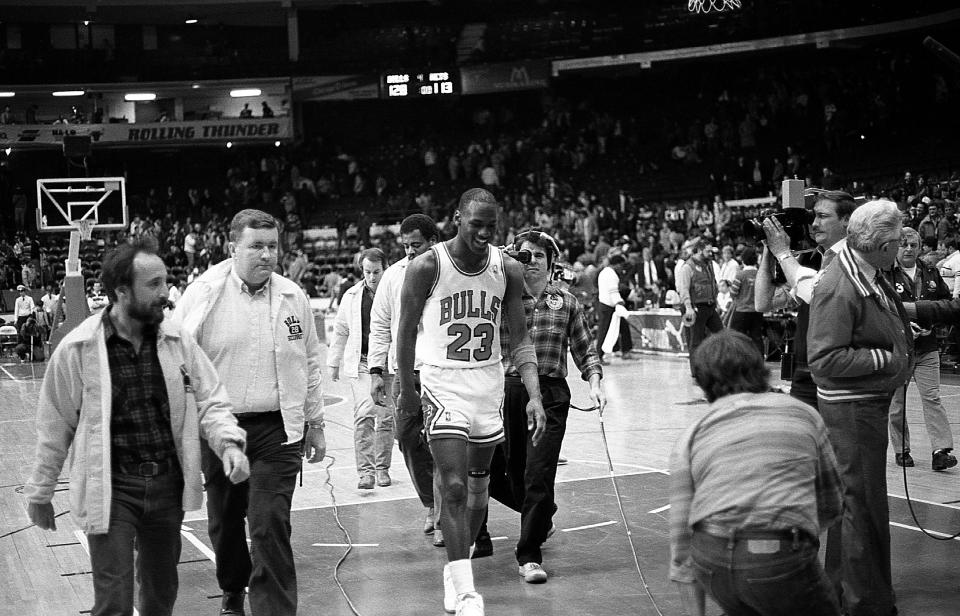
x: 556, y: 322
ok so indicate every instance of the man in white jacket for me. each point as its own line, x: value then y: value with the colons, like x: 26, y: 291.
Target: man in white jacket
x: 372, y: 422
x: 258, y: 330
x: 132, y: 396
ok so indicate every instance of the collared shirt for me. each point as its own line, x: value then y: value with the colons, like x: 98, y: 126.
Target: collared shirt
x: 24, y: 306
x: 366, y: 302
x: 608, y: 287
x: 755, y: 461
x: 555, y: 321
x: 238, y: 337
x: 140, y: 423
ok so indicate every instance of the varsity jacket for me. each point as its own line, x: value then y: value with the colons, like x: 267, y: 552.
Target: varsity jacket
x: 859, y: 347
x: 927, y: 284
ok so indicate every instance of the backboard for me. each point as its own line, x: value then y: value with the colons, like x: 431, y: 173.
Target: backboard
x: 61, y: 201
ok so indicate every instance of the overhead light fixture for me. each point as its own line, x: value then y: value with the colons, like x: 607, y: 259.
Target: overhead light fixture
x: 7, y: 151
x: 229, y: 144
x: 7, y: 94
x: 191, y: 21
x: 244, y: 92
x: 140, y: 96
x: 276, y: 144
x: 86, y: 22
x: 195, y: 86
x: 69, y: 93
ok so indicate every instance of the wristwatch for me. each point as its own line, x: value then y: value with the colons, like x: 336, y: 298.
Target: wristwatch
x: 317, y: 424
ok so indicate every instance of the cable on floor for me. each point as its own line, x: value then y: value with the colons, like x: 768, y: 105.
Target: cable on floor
x: 346, y: 535
x: 906, y: 489
x: 623, y: 515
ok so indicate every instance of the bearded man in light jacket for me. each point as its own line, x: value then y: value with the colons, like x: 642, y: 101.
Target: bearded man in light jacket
x: 132, y: 395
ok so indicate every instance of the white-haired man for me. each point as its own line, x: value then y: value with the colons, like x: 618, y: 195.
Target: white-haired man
x: 860, y: 350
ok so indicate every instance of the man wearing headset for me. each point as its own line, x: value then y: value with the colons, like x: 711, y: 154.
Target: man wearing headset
x: 522, y: 475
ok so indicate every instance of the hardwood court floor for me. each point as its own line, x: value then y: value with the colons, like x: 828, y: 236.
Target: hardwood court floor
x: 395, y: 570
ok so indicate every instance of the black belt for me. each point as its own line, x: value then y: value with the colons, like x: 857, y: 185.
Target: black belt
x: 735, y: 534
x: 251, y: 416
x: 146, y: 469
x: 704, y: 304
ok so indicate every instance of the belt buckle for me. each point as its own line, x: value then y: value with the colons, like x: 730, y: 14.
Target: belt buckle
x: 148, y: 469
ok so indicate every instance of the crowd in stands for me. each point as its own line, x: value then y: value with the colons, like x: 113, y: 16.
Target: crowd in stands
x: 591, y: 170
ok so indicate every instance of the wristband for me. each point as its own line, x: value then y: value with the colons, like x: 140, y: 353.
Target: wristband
x: 524, y: 354
x: 317, y: 424
x: 784, y: 256
x: 376, y: 370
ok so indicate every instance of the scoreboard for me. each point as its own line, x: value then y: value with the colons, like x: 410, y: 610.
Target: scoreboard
x: 419, y: 85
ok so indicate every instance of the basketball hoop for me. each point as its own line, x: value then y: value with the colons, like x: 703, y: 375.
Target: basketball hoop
x: 85, y: 228
x: 712, y: 6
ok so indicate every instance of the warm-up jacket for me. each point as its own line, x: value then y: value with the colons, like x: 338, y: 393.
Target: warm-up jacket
x: 858, y: 347
x: 926, y: 285
x: 348, y: 332
x: 74, y: 412
x: 294, y: 338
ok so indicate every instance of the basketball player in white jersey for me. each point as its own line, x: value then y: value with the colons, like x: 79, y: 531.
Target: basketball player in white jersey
x: 454, y: 297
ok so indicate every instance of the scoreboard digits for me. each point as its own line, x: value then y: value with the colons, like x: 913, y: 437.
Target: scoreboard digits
x: 411, y: 85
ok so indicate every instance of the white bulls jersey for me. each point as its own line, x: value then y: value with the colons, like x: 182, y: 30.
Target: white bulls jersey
x: 460, y: 327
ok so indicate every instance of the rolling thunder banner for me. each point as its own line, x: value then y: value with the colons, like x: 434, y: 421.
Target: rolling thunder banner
x: 150, y: 134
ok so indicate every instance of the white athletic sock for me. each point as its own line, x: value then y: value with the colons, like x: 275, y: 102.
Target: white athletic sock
x: 462, y: 573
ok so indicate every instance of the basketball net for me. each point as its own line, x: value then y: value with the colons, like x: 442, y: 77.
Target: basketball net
x: 85, y: 228
x: 712, y: 6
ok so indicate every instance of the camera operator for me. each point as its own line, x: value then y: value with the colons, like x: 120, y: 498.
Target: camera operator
x: 829, y: 228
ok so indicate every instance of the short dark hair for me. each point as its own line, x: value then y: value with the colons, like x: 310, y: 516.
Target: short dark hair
x: 844, y: 200
x: 373, y: 254
x: 616, y: 259
x: 727, y: 363
x: 749, y: 256
x: 116, y: 269
x: 540, y: 238
x: 254, y: 219
x: 476, y: 195
x: 422, y: 223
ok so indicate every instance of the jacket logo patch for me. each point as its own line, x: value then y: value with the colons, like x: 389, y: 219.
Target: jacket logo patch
x: 293, y: 326
x: 932, y: 285
x: 554, y: 302
x: 899, y: 288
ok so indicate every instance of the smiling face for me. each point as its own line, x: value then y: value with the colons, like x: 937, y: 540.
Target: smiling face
x: 255, y: 255
x: 476, y: 226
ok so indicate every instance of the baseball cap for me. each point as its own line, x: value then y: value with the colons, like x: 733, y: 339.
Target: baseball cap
x: 20, y: 287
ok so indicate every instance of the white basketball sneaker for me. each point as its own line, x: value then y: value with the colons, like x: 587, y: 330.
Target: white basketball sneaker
x: 470, y: 604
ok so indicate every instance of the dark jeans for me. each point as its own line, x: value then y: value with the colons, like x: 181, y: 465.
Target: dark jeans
x: 707, y: 322
x: 858, y: 550
x: 787, y: 582
x: 604, y: 315
x: 750, y: 324
x: 264, y: 500
x: 416, y: 452
x: 521, y: 475
x: 148, y: 510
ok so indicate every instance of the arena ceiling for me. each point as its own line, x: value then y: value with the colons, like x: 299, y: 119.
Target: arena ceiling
x: 168, y: 12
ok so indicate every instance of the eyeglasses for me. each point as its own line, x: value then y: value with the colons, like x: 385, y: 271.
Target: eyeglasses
x: 535, y: 236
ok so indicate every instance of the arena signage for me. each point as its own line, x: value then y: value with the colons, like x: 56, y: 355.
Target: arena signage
x: 181, y: 133
x: 505, y: 77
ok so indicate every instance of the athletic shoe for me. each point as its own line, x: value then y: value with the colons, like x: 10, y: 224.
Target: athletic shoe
x: 428, y: 522
x: 470, y: 604
x: 449, y: 593
x: 943, y: 459
x: 438, y: 539
x: 532, y: 573
x: 383, y: 478
x: 905, y: 459
x: 483, y: 546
